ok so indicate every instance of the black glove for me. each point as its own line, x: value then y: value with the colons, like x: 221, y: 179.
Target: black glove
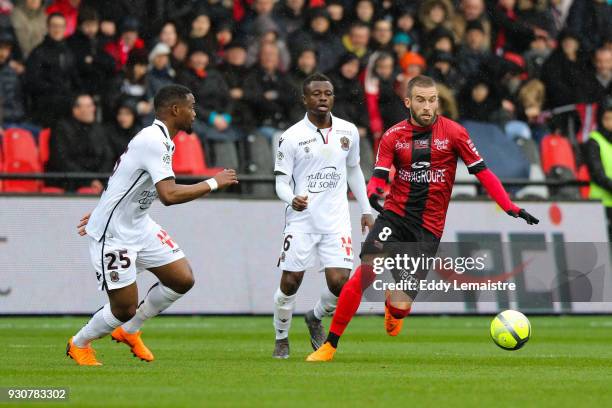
x: 531, y: 220
x: 374, y: 200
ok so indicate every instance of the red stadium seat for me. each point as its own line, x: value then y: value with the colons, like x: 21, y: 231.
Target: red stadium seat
x: 189, y: 156
x: 52, y: 190
x: 556, y: 151
x: 1, y: 166
x: 583, y: 175
x: 44, y: 137
x: 559, y: 164
x: 20, y: 156
x: 87, y: 190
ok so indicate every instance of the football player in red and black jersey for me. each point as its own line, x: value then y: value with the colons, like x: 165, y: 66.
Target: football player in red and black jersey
x: 424, y: 150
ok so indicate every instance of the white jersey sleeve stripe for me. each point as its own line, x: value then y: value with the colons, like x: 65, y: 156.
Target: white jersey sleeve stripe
x: 475, y: 163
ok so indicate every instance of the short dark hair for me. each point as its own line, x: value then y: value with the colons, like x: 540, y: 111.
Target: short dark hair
x: 316, y: 77
x: 53, y: 15
x: 358, y: 24
x: 420, y: 81
x: 170, y: 95
x: 87, y: 14
x: 381, y: 56
x: 78, y: 96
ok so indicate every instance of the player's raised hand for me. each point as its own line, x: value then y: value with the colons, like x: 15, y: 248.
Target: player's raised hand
x: 299, y: 203
x: 367, y: 221
x: 531, y: 220
x: 226, y: 178
x: 83, y: 223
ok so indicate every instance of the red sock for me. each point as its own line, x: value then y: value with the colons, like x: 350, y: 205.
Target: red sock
x: 350, y: 298
x: 397, y: 313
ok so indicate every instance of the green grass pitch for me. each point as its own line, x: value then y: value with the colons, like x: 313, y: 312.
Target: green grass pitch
x: 226, y: 361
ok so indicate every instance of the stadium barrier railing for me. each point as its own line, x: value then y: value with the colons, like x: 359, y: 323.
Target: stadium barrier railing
x: 248, y: 182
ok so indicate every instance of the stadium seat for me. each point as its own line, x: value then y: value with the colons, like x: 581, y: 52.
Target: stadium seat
x: 52, y: 190
x: 531, y: 192
x: 20, y: 156
x: 559, y: 163
x: 556, y: 150
x: 583, y: 175
x: 500, y: 154
x: 87, y: 190
x: 1, y: 166
x: 189, y: 156
x: 44, y: 137
x: 530, y: 150
x: 260, y: 159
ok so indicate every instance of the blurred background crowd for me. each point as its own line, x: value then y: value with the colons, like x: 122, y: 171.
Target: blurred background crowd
x: 513, y: 71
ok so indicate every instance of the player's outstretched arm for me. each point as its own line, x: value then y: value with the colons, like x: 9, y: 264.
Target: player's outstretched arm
x: 171, y: 193
x: 496, y: 191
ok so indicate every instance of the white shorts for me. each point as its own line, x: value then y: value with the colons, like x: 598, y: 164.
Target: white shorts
x: 299, y: 250
x: 117, y: 264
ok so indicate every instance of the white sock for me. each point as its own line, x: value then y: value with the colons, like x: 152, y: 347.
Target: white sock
x: 283, y: 312
x: 156, y: 301
x: 326, y: 305
x: 102, y: 323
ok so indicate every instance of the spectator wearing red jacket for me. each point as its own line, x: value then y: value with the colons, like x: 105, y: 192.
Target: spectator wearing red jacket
x: 128, y: 40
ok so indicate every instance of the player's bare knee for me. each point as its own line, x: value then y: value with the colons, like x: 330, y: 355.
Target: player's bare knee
x: 290, y: 282
x: 124, y: 313
x: 184, y: 283
x: 187, y: 284
x: 336, y: 278
x: 336, y: 284
x: 181, y: 280
x: 289, y: 288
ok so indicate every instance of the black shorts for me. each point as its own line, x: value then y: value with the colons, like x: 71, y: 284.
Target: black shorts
x: 392, y: 228
x: 394, y: 235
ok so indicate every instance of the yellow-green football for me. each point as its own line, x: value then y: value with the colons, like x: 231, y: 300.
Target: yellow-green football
x: 510, y: 330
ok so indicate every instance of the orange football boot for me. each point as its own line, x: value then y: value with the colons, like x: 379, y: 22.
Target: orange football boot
x: 135, y: 342
x: 392, y: 325
x: 82, y: 356
x: 324, y: 353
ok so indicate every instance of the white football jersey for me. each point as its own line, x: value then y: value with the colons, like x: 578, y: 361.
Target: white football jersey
x: 316, y: 160
x: 122, y: 212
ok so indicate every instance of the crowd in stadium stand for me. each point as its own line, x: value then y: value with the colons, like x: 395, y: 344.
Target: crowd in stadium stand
x: 88, y: 69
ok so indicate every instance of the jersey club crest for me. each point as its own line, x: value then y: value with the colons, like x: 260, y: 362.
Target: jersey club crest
x: 345, y: 143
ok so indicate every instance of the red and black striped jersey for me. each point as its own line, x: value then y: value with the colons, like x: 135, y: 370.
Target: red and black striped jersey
x: 425, y: 159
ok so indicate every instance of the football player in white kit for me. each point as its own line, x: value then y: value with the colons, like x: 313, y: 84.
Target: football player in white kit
x: 316, y: 158
x: 124, y: 240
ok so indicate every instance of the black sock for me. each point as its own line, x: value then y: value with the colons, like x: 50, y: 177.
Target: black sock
x: 333, y: 339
